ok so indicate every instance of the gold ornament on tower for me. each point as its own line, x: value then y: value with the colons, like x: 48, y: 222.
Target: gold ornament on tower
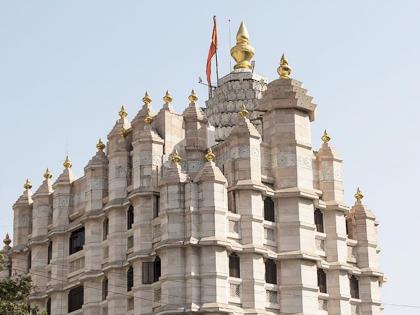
x: 358, y: 195
x: 28, y: 184
x: 48, y: 174
x: 167, y: 98
x: 67, y: 163
x: 193, y: 97
x: 242, y: 52
x: 284, y: 70
x: 100, y: 145
x: 244, y: 113
x: 7, y: 240
x: 146, y: 99
x: 325, y: 137
x: 175, y: 157
x: 210, y: 156
x: 122, y: 112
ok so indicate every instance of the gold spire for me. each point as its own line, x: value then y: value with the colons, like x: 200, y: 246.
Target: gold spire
x: 193, y: 97
x: 146, y: 99
x: 326, y: 137
x: 48, y: 174
x: 27, y: 185
x: 123, y: 132
x: 210, y: 156
x: 284, y: 70
x: 175, y: 157
x: 242, y: 52
x: 67, y: 163
x: 148, y: 119
x: 167, y: 98
x: 7, y: 240
x: 244, y: 113
x: 100, y: 145
x: 358, y: 195
x: 122, y: 112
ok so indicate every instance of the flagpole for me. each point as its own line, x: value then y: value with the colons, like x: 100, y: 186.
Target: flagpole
x: 217, y: 63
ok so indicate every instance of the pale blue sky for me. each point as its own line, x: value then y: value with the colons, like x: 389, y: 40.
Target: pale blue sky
x: 67, y: 66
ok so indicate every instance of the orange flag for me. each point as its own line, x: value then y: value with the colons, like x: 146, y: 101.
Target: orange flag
x: 212, y: 51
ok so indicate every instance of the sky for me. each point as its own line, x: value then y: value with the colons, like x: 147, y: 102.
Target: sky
x: 67, y: 66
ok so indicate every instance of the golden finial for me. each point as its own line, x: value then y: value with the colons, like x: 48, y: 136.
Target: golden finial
x: 193, y: 97
x: 284, y: 70
x: 123, y: 132
x: 148, y: 119
x: 7, y: 240
x: 122, y: 112
x: 175, y: 157
x: 67, y: 163
x: 358, y: 195
x: 244, y: 113
x: 167, y: 98
x: 48, y: 174
x: 27, y: 185
x: 210, y: 156
x: 146, y: 99
x: 242, y: 52
x: 326, y: 137
x: 100, y: 145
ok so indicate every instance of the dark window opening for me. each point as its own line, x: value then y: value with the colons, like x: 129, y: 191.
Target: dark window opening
x: 49, y: 253
x: 156, y: 206
x: 232, y: 201
x: 130, y: 278
x: 156, y: 269
x: 151, y: 271
x: 75, y: 299
x: 104, y: 288
x: 319, y: 220
x: 48, y: 307
x: 270, y: 271
x: 322, y: 281
x: 354, y: 287
x: 130, y: 217
x: 105, y: 229
x: 234, y: 266
x: 269, y: 209
x: 29, y: 262
x: 77, y: 240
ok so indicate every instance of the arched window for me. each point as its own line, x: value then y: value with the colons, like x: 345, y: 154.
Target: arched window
x: 104, y: 288
x: 77, y: 240
x: 75, y: 299
x: 234, y: 266
x: 232, y: 201
x: 130, y: 278
x: 269, y: 209
x: 156, y: 269
x: 48, y: 306
x: 49, y: 253
x: 354, y: 287
x: 105, y: 229
x: 270, y: 271
x: 319, y: 220
x: 156, y: 209
x: 130, y: 217
x: 322, y: 281
x: 29, y: 258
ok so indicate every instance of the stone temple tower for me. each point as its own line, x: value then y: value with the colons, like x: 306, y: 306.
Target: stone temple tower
x: 165, y: 220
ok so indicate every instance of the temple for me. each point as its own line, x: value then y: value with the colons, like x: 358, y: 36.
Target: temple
x: 226, y: 209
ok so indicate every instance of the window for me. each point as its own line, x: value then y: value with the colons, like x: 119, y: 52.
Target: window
x: 354, y: 287
x: 105, y: 229
x: 270, y: 271
x: 49, y: 253
x: 75, y: 299
x: 234, y: 266
x: 77, y: 240
x: 269, y: 209
x: 104, y: 288
x: 29, y: 258
x: 130, y: 278
x: 48, y: 306
x: 319, y: 220
x: 232, y: 201
x: 130, y: 217
x: 322, y: 281
x: 151, y: 271
x: 156, y: 206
